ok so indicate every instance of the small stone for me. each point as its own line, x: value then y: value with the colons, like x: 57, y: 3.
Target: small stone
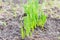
x: 16, y: 38
x: 59, y: 38
x: 0, y: 7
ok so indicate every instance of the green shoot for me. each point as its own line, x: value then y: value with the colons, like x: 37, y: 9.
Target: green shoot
x: 34, y: 17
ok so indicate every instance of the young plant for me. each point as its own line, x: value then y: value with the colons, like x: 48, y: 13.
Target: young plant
x: 34, y: 17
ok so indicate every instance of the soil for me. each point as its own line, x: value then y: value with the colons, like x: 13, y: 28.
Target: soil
x: 10, y: 24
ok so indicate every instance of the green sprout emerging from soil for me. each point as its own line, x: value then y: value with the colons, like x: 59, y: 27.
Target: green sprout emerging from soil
x: 33, y: 19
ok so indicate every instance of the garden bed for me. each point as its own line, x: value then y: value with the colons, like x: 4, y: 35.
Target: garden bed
x: 10, y: 25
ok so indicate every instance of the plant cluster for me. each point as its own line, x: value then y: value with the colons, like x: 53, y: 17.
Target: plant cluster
x: 33, y: 19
